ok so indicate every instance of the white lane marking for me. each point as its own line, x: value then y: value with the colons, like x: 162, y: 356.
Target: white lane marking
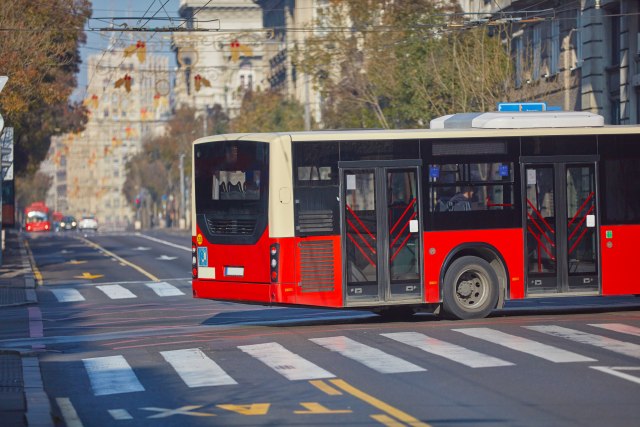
x: 163, y: 289
x: 615, y: 371
x: 68, y: 412
x: 111, y: 375
x: 286, y: 363
x: 622, y: 347
x: 120, y: 414
x: 196, y: 369
x: 375, y: 359
x: 116, y: 291
x: 164, y: 242
x: 618, y: 327
x: 447, y: 350
x: 553, y: 354
x: 67, y: 295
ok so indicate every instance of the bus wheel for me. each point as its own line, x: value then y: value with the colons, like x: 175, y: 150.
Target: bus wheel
x: 470, y: 289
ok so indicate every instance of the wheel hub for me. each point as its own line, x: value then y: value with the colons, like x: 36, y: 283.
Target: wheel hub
x: 466, y: 287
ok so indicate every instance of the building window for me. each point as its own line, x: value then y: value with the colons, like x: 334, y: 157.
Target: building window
x: 554, y: 48
x: 537, y: 52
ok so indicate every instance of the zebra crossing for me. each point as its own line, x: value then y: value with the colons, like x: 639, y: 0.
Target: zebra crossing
x: 113, y: 291
x: 197, y: 368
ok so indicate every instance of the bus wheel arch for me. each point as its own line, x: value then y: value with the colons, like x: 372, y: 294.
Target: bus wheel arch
x: 474, y: 282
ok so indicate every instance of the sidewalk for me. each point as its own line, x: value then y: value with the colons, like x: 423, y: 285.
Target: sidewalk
x: 22, y: 398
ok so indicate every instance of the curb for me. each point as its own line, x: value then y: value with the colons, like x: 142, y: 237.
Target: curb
x: 38, y: 405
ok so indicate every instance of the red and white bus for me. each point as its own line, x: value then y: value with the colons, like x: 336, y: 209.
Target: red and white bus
x: 377, y: 219
x: 37, y: 217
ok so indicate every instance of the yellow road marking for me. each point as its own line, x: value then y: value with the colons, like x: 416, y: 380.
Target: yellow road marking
x: 87, y: 275
x: 76, y: 262
x: 317, y: 408
x: 326, y: 388
x: 122, y: 260
x: 34, y: 267
x: 377, y: 403
x: 252, y: 409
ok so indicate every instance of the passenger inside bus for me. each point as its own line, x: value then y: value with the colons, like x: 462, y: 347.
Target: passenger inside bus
x: 461, y: 201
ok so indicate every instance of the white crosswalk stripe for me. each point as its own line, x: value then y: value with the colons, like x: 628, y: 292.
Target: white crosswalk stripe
x: 547, y: 352
x: 447, y: 350
x: 375, y: 359
x: 163, y: 289
x: 618, y: 327
x: 622, y: 347
x: 111, y: 375
x: 196, y: 369
x: 116, y: 291
x: 67, y: 295
x: 286, y: 363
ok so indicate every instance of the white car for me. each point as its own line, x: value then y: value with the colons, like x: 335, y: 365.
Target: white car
x: 88, y: 222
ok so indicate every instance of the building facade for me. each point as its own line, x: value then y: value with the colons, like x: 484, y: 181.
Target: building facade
x: 581, y: 55
x: 128, y: 101
x: 221, y: 57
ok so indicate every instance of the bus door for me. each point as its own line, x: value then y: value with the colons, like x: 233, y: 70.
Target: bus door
x: 561, y: 217
x: 381, y: 232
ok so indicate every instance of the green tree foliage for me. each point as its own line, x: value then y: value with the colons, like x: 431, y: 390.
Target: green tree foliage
x: 39, y: 53
x: 268, y: 112
x: 401, y: 63
x: 31, y: 188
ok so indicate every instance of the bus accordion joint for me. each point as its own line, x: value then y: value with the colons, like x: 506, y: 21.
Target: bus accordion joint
x: 274, y: 252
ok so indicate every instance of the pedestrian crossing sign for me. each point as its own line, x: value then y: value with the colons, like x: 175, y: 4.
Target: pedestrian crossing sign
x: 203, y: 258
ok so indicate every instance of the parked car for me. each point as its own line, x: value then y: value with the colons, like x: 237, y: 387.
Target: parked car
x: 88, y: 222
x: 68, y: 223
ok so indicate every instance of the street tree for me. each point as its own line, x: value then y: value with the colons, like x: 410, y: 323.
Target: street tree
x: 401, y: 63
x: 268, y: 111
x: 39, y: 53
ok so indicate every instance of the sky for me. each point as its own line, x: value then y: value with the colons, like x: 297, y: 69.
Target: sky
x: 138, y: 13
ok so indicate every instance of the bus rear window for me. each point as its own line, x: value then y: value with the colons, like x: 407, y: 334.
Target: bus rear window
x: 231, y: 189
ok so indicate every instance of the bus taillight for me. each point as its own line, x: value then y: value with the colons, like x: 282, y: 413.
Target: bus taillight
x: 194, y: 261
x: 274, y: 252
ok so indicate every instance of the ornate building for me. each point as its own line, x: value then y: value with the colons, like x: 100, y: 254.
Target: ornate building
x: 221, y: 58
x: 128, y: 100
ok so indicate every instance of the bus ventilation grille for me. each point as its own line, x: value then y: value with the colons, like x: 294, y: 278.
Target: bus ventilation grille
x: 231, y: 226
x: 315, y: 221
x: 316, y: 266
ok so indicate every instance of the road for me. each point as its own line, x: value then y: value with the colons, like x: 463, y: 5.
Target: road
x: 123, y: 343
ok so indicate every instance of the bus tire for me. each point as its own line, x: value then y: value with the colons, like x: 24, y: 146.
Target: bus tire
x: 470, y: 289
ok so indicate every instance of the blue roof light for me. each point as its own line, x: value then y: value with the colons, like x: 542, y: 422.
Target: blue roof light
x: 525, y: 106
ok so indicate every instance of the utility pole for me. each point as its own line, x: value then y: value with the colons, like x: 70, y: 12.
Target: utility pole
x: 182, y: 221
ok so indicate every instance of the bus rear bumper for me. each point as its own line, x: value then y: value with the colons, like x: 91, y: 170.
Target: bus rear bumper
x: 233, y: 291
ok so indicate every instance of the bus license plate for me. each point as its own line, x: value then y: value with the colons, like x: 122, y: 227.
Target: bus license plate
x: 234, y: 271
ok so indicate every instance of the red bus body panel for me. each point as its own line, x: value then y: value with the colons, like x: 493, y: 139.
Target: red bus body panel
x: 508, y: 243
x: 619, y: 255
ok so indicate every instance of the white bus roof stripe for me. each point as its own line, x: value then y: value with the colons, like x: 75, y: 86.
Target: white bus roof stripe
x: 447, y: 350
x: 524, y: 345
x: 286, y: 363
x: 196, y: 369
x: 111, y: 375
x: 375, y: 359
